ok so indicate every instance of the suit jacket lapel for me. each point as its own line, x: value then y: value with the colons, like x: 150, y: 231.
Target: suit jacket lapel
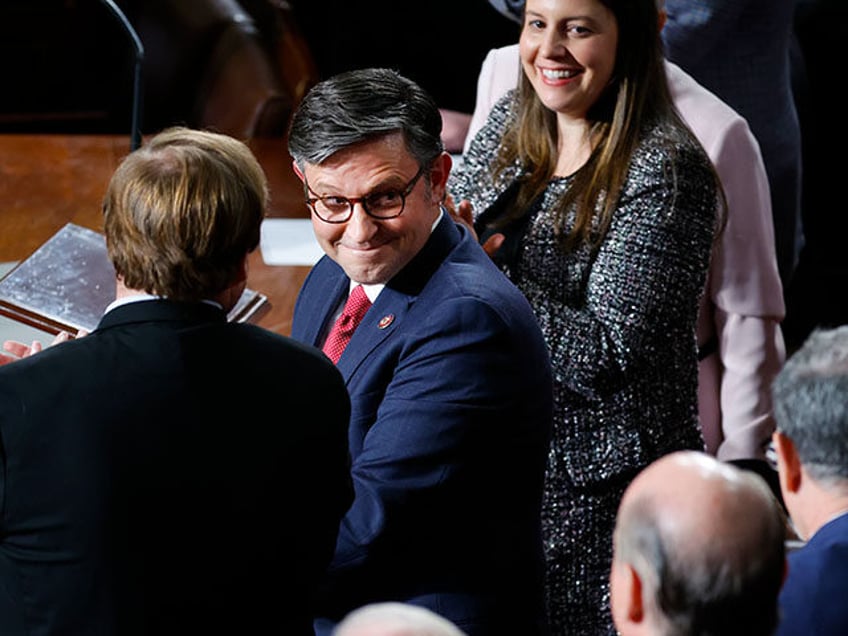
x: 324, y: 299
x: 379, y: 323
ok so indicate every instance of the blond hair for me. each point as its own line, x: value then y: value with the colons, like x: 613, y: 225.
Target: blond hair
x: 182, y: 212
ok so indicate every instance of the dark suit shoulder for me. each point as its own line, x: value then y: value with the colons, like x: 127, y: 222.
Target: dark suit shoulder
x: 469, y: 272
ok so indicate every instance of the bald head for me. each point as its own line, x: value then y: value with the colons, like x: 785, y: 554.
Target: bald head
x: 395, y: 619
x: 704, y: 541
x: 698, y: 501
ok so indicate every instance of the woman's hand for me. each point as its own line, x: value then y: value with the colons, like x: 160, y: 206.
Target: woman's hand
x: 463, y: 214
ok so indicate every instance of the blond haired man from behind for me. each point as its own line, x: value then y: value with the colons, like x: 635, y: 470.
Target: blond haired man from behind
x: 143, y: 487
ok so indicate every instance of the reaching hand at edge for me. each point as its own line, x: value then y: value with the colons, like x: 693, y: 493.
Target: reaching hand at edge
x: 462, y: 214
x: 17, y: 350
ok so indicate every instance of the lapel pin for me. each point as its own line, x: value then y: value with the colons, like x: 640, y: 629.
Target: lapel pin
x: 385, y: 321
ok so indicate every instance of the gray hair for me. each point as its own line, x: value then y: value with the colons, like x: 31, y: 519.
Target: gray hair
x: 362, y: 105
x: 811, y: 404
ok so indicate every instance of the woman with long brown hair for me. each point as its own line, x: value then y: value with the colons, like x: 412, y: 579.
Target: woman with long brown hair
x: 600, y: 205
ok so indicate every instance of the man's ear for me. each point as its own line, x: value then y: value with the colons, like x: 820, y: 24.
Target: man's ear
x: 788, y: 463
x: 439, y: 173
x: 297, y: 170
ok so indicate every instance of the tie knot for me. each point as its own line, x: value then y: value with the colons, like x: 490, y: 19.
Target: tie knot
x: 357, y: 304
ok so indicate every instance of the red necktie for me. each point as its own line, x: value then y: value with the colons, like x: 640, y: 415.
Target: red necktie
x: 354, y: 310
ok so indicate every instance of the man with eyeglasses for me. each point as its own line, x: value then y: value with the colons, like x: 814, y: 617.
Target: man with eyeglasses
x: 447, y: 371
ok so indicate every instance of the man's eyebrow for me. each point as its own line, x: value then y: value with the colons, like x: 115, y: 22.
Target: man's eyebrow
x: 390, y: 182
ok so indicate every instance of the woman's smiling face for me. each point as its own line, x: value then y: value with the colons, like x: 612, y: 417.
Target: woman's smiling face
x: 568, y: 52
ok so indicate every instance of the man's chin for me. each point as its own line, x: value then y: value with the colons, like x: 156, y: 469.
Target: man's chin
x: 367, y: 275
x: 365, y: 269
x: 364, y: 277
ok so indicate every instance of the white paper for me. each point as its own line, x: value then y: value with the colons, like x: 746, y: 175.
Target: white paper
x: 289, y: 242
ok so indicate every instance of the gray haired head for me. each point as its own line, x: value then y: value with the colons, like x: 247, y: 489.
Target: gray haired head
x: 811, y: 403
x: 363, y: 105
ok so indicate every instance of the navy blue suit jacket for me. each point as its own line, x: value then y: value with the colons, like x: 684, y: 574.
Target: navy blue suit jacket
x: 812, y: 600
x: 451, y: 397
x: 169, y: 474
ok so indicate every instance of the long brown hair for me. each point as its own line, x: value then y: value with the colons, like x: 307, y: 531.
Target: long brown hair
x: 637, y: 97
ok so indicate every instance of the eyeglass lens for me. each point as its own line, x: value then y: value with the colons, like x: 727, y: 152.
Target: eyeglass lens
x: 385, y: 204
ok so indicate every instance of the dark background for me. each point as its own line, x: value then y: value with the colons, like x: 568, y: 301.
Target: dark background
x: 66, y: 66
x: 438, y: 43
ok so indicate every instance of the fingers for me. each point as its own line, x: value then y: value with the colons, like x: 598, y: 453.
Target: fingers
x: 465, y: 212
x: 493, y: 243
x: 19, y: 350
x: 462, y: 213
x: 62, y: 336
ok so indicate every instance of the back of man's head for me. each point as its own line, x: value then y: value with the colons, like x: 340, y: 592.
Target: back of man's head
x: 182, y: 212
x: 811, y: 405
x: 395, y: 619
x: 698, y: 550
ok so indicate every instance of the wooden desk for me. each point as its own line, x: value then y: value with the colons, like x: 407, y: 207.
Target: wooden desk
x: 49, y: 180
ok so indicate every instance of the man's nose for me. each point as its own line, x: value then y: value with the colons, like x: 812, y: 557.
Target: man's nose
x: 360, y: 225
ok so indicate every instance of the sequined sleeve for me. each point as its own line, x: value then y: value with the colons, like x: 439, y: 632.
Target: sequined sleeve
x: 615, y: 315
x: 472, y: 179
